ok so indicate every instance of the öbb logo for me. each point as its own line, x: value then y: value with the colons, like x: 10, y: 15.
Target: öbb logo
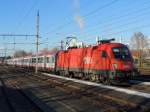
x: 87, y: 60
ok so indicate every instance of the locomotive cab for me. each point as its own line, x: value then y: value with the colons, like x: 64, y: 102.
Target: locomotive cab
x: 122, y: 62
x: 117, y: 60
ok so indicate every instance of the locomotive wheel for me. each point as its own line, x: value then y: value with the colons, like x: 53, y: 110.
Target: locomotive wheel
x: 86, y: 76
x: 81, y: 76
x: 58, y: 73
x: 107, y: 81
x: 101, y: 79
x: 61, y: 73
x: 71, y: 75
x: 93, y: 77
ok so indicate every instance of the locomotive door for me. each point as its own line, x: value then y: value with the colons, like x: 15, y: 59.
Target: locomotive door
x: 104, y: 60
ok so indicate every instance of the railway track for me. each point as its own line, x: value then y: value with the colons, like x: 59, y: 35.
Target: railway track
x: 5, y: 96
x: 72, y: 88
x: 133, y: 84
x: 80, y: 92
x: 142, y: 87
x: 16, y: 99
x: 68, y: 96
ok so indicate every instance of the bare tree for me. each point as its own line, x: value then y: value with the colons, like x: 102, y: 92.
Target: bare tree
x: 55, y: 49
x: 20, y: 53
x: 139, y: 43
x: 29, y: 53
x: 46, y: 50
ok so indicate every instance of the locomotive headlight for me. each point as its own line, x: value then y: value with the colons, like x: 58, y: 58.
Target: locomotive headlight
x: 115, y: 66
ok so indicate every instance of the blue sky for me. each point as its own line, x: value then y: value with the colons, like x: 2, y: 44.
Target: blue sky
x: 85, y: 19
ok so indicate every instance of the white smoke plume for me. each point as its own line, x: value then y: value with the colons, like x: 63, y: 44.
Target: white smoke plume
x: 78, y: 18
x: 80, y: 21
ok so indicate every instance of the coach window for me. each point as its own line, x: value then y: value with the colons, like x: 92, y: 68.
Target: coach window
x: 50, y: 59
x: 104, y: 54
x: 33, y: 60
x: 41, y: 60
x: 53, y: 59
x: 30, y: 61
x: 47, y: 59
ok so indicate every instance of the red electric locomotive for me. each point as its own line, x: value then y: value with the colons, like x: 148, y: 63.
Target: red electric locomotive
x: 104, y: 62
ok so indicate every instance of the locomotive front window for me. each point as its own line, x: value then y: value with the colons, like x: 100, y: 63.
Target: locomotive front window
x: 122, y: 53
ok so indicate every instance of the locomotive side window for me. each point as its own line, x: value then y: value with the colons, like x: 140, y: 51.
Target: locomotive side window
x: 104, y: 54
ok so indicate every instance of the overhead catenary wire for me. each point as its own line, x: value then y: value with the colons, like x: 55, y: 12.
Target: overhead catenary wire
x: 20, y: 43
x: 26, y: 14
x: 134, y: 21
x: 119, y: 17
x: 125, y: 15
x: 86, y: 15
x: 16, y: 35
x: 25, y: 43
x: 137, y: 27
x: 65, y: 25
x: 121, y: 31
x: 115, y: 19
x: 93, y: 12
x: 100, y: 8
x: 125, y: 24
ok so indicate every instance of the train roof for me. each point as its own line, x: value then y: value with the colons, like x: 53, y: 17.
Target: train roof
x: 112, y: 44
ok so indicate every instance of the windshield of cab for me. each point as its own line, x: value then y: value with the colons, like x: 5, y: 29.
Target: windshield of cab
x: 122, y: 53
